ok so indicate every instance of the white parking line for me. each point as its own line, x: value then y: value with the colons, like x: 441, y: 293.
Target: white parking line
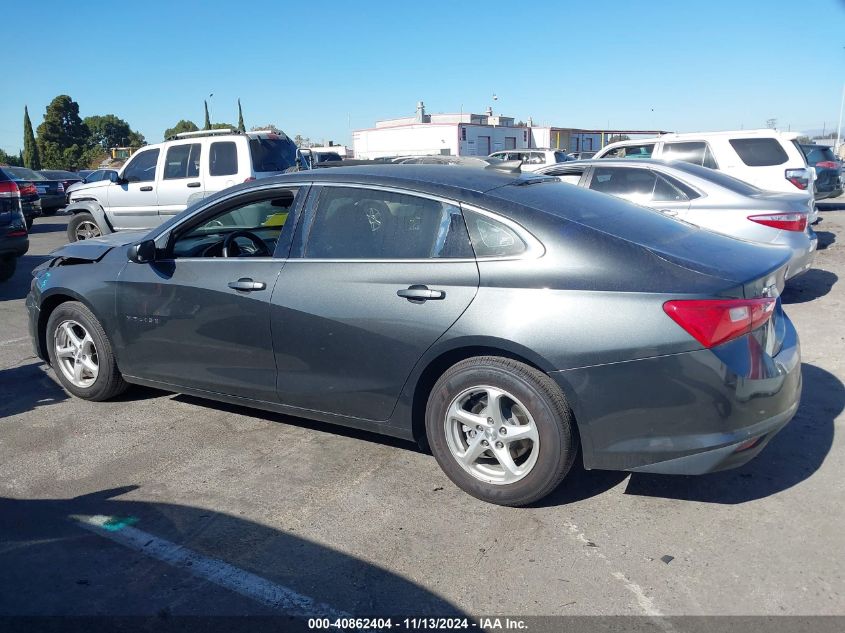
x: 223, y: 574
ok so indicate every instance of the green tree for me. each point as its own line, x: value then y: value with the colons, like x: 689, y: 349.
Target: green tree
x: 269, y: 127
x: 241, y: 126
x: 207, y: 124
x: 62, y: 136
x: 110, y: 131
x: 183, y: 126
x: 222, y: 126
x: 31, y: 158
x: 10, y: 159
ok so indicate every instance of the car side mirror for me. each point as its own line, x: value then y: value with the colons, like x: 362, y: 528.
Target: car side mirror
x: 142, y: 252
x: 116, y: 179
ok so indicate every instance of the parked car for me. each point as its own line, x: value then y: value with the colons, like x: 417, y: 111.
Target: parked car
x: 67, y: 178
x: 30, y: 202
x: 580, y: 155
x: 768, y: 159
x: 533, y: 159
x: 161, y: 180
x: 828, y: 183
x: 96, y: 175
x: 84, y: 173
x: 51, y: 193
x: 507, y: 320
x: 707, y: 198
x: 14, y: 241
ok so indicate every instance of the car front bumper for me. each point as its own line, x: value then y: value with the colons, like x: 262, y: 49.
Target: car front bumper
x: 689, y: 413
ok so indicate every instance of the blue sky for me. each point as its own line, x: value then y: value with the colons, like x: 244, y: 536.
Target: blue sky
x: 321, y: 69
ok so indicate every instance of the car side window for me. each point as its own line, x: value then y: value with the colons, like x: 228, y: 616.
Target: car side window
x: 182, y: 161
x: 667, y: 190
x: 264, y: 219
x: 570, y: 176
x: 356, y: 223
x: 636, y: 185
x: 631, y: 151
x: 491, y: 238
x: 695, y: 152
x: 223, y: 158
x: 142, y: 167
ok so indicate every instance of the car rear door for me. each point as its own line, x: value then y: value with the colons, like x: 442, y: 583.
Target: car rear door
x: 375, y: 278
x: 641, y: 185
x: 181, y: 181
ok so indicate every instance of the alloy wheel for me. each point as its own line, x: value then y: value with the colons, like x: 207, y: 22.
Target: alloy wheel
x: 87, y: 230
x: 76, y: 354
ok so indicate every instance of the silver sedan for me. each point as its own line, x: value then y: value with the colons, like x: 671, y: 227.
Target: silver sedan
x: 704, y: 197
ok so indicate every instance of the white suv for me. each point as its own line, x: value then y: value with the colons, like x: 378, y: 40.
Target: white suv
x: 161, y: 180
x: 768, y: 159
x: 533, y: 159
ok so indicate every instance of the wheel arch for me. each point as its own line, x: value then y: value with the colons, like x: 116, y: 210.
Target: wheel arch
x: 92, y: 206
x: 49, y: 304
x: 438, y: 361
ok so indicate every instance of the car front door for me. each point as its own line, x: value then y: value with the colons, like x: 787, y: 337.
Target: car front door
x: 181, y: 181
x: 133, y: 202
x: 374, y: 279
x: 199, y: 316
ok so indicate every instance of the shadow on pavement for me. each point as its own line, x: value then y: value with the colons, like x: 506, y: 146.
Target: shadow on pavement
x: 325, y: 427
x: 826, y: 238
x: 162, y: 559
x: 47, y: 227
x: 18, y: 286
x: 811, y: 285
x: 791, y: 457
x: 26, y: 388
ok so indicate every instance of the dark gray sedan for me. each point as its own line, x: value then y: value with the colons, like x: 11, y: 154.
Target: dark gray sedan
x: 507, y: 321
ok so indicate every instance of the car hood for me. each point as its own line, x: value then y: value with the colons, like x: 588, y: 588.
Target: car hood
x: 89, y: 185
x: 94, y: 249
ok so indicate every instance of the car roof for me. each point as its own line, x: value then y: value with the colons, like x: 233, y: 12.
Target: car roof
x: 432, y: 179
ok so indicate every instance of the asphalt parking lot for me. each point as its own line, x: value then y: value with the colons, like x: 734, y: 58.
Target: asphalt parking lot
x: 160, y: 504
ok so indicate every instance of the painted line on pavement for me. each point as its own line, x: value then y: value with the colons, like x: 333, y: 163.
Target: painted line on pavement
x: 216, y: 571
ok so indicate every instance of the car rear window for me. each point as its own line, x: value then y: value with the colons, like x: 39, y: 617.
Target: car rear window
x: 759, y: 152
x: 817, y: 153
x: 22, y: 173
x: 272, y: 154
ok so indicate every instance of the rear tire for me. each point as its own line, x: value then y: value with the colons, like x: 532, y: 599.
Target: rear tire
x: 516, y: 467
x: 81, y: 353
x: 8, y: 265
x: 83, y: 226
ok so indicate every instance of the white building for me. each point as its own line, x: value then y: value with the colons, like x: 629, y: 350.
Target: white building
x: 467, y: 134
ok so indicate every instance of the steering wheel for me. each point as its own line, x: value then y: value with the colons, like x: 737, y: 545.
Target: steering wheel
x: 261, y: 249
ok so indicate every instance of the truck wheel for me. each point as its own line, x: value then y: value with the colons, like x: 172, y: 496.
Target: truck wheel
x: 82, y: 226
x: 7, y: 267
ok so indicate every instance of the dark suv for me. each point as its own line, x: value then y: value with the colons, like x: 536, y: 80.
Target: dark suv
x: 14, y: 240
x: 828, y: 170
x: 27, y: 193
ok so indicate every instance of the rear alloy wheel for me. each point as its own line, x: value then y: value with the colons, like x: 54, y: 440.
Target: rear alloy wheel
x: 81, y: 353
x: 501, y: 430
x: 82, y: 226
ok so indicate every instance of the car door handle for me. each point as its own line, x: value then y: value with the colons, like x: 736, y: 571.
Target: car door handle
x: 147, y: 188
x: 247, y: 285
x: 670, y: 212
x: 419, y: 293
x: 193, y: 184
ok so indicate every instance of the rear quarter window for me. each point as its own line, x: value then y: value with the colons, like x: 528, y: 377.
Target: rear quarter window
x: 759, y: 152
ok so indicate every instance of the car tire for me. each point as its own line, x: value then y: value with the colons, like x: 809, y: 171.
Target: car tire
x: 89, y: 350
x: 526, y: 398
x: 83, y: 226
x: 7, y: 267
x: 29, y: 223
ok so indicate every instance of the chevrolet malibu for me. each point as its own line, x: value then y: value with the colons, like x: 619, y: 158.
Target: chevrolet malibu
x: 510, y: 322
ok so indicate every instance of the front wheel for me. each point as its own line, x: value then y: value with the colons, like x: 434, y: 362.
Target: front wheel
x: 82, y: 226
x: 81, y: 353
x: 501, y: 430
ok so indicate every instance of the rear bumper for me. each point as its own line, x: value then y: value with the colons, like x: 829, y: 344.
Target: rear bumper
x: 50, y: 201
x: 689, y: 413
x: 803, y: 256
x: 14, y: 246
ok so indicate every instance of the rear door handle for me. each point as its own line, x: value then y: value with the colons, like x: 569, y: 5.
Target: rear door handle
x: 147, y: 188
x: 193, y: 184
x: 247, y: 285
x: 419, y: 293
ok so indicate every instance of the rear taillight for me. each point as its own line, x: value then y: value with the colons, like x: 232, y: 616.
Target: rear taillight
x: 712, y: 322
x: 783, y: 221
x: 9, y: 190
x: 827, y: 164
x: 28, y: 189
x: 799, y: 177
